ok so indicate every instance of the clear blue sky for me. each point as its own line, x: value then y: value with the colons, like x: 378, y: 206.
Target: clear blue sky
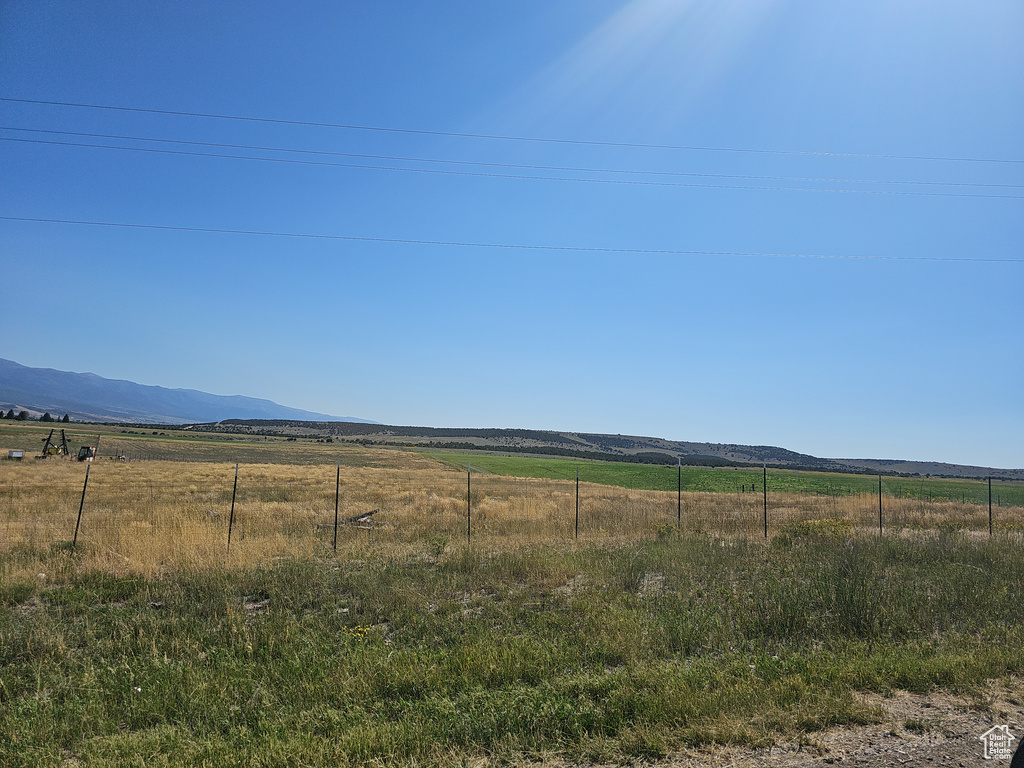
x: 914, y: 351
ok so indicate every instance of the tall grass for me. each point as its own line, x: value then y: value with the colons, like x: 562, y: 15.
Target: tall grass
x: 153, y: 517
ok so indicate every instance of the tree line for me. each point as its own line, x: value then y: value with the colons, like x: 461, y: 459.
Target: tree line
x: 24, y: 416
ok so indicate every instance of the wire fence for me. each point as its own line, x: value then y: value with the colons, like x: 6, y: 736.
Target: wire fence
x: 169, y: 513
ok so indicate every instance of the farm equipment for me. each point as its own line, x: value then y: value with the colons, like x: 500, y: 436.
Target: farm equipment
x: 53, y: 447
x: 89, y: 452
x: 362, y: 520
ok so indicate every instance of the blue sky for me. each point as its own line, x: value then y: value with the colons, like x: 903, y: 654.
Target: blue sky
x: 912, y: 113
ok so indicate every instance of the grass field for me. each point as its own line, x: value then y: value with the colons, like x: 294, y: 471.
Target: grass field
x: 447, y: 654
x: 152, y: 644
x: 151, y: 517
x: 171, y: 444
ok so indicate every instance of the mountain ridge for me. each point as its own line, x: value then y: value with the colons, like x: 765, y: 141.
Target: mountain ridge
x: 90, y: 397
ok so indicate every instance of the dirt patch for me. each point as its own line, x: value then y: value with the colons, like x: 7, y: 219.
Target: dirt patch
x: 917, y: 731
x: 254, y: 604
x: 30, y: 607
x: 573, y: 585
x: 652, y: 585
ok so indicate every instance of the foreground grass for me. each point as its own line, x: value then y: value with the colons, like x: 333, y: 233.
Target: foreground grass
x: 431, y: 657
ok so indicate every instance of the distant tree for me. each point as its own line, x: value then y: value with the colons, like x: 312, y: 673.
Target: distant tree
x: 22, y: 416
x: 66, y: 419
x: 9, y: 414
x: 46, y: 417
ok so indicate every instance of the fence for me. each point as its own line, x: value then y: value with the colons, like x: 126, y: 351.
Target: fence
x: 159, y: 514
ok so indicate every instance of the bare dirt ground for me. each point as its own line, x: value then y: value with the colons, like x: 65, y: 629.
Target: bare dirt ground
x: 917, y: 731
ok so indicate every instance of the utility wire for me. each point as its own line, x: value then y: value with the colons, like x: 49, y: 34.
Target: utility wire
x: 573, y: 169
x: 499, y: 137
x: 481, y: 174
x: 504, y: 246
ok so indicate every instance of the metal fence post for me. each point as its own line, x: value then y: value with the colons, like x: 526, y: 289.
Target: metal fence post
x: 990, y: 506
x: 764, y: 487
x: 337, y: 491
x: 74, y: 541
x: 679, y: 494
x: 879, y: 504
x: 231, y: 519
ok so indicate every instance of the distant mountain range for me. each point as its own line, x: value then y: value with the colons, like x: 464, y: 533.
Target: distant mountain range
x: 88, y: 397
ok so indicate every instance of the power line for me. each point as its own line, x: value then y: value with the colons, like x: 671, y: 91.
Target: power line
x: 480, y: 174
x: 475, y: 163
x: 499, y: 137
x: 502, y: 246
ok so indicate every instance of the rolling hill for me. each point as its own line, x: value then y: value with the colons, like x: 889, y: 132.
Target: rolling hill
x: 585, y: 445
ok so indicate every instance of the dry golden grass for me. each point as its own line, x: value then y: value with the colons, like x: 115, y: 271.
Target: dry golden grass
x: 150, y: 517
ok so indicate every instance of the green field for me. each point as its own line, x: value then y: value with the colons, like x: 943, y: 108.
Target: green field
x: 733, y: 480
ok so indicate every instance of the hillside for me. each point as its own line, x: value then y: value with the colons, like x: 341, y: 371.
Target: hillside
x: 583, y: 445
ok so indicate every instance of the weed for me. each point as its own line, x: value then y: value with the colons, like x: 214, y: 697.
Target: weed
x: 917, y: 726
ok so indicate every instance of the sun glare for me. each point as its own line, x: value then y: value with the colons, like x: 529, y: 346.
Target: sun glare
x: 652, y: 57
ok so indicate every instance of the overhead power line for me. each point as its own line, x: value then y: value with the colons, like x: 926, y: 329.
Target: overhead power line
x: 499, y: 137
x: 476, y: 163
x: 504, y: 246
x: 491, y: 175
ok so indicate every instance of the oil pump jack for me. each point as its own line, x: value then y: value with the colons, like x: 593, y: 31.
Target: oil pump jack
x: 53, y: 447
